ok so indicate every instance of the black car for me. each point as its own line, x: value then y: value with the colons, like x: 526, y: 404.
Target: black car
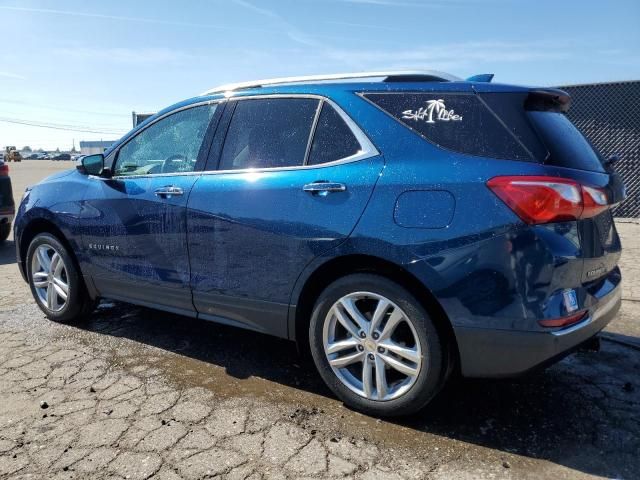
x: 7, y: 207
x: 62, y: 156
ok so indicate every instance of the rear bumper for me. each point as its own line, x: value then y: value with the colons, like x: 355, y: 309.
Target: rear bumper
x: 486, y: 352
x: 6, y: 215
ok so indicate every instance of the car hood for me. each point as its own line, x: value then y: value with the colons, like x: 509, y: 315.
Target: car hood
x: 55, y: 176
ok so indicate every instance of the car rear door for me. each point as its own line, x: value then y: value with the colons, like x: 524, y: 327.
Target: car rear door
x: 135, y: 221
x: 290, y: 182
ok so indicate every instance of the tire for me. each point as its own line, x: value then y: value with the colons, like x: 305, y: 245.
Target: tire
x: 78, y: 304
x: 421, y: 346
x: 5, y: 230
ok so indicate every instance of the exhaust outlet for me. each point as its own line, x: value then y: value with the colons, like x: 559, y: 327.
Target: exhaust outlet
x: 591, y: 345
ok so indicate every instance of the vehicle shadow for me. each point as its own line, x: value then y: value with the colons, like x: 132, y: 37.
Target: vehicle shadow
x: 561, y: 415
x: 7, y: 252
x: 627, y: 340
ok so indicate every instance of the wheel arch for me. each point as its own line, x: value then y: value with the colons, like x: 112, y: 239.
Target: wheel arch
x: 341, y: 266
x: 43, y: 225
x: 37, y: 226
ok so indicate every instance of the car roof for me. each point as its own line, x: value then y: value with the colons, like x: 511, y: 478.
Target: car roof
x: 385, y: 76
x: 331, y: 85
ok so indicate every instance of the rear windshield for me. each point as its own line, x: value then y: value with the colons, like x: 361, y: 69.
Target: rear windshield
x: 492, y: 125
x: 567, y: 146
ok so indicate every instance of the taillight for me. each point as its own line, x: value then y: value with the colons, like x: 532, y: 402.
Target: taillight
x: 564, y: 321
x: 537, y: 199
x: 595, y: 201
x: 4, y: 170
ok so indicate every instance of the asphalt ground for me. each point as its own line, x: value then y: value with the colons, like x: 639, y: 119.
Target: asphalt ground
x: 137, y: 393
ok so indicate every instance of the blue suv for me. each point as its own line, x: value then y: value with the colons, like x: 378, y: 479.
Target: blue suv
x: 400, y: 226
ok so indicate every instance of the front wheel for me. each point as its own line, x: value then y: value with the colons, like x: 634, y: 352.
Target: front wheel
x: 375, y: 346
x: 56, y: 283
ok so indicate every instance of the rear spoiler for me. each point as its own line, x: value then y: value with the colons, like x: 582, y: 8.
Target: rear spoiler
x: 548, y: 100
x: 481, y: 77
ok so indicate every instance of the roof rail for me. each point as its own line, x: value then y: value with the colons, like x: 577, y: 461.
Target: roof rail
x: 391, y: 76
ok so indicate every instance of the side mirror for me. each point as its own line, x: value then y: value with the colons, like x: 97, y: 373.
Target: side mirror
x: 91, y: 164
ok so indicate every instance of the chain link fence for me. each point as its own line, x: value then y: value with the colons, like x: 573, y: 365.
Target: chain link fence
x: 608, y: 114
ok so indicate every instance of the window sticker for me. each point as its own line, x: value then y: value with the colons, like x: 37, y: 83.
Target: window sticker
x: 455, y: 121
x: 434, y: 111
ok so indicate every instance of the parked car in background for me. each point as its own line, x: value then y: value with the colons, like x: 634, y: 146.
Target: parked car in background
x: 7, y: 207
x: 400, y: 226
x: 62, y: 156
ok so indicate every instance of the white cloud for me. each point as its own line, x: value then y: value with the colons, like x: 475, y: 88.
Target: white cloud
x: 446, y: 56
x: 422, y: 4
x: 122, y: 18
x: 289, y: 29
x: 135, y: 56
x: 392, y: 3
x: 12, y: 75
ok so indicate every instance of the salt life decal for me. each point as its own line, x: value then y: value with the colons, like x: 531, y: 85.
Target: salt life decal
x: 434, y: 111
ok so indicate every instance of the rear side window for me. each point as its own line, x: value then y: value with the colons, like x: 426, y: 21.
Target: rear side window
x: 333, y: 139
x: 459, y: 122
x: 268, y: 133
x: 567, y: 146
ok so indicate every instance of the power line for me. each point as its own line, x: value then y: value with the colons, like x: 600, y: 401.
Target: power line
x: 62, y: 109
x: 54, y: 126
x: 82, y: 126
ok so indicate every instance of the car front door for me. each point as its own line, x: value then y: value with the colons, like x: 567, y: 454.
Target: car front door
x: 290, y: 182
x: 135, y: 221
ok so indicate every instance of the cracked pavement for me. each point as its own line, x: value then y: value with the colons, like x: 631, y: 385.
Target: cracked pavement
x: 136, y: 393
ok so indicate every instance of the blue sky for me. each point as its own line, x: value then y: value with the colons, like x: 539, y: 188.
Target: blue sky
x: 87, y: 64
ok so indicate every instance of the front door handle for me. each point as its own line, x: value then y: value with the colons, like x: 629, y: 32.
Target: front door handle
x: 324, y: 188
x: 168, y: 191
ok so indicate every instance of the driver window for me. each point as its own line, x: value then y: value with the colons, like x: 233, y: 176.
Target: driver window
x: 170, y: 145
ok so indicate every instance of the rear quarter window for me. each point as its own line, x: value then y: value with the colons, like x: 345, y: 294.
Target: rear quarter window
x: 333, y: 139
x: 459, y: 122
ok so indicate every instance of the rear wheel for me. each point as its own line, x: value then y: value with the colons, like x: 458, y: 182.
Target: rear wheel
x: 55, y: 281
x: 375, y: 346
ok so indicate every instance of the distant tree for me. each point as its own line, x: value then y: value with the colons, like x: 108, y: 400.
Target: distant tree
x: 26, y: 148
x: 58, y: 150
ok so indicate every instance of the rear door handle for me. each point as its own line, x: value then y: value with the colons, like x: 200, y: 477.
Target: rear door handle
x: 324, y: 188
x: 168, y: 191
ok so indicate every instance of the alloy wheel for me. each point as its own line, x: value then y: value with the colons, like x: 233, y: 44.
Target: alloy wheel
x: 49, y: 277
x: 372, y: 346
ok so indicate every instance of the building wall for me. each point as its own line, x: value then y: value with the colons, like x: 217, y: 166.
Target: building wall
x: 91, y: 150
x: 93, y: 147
